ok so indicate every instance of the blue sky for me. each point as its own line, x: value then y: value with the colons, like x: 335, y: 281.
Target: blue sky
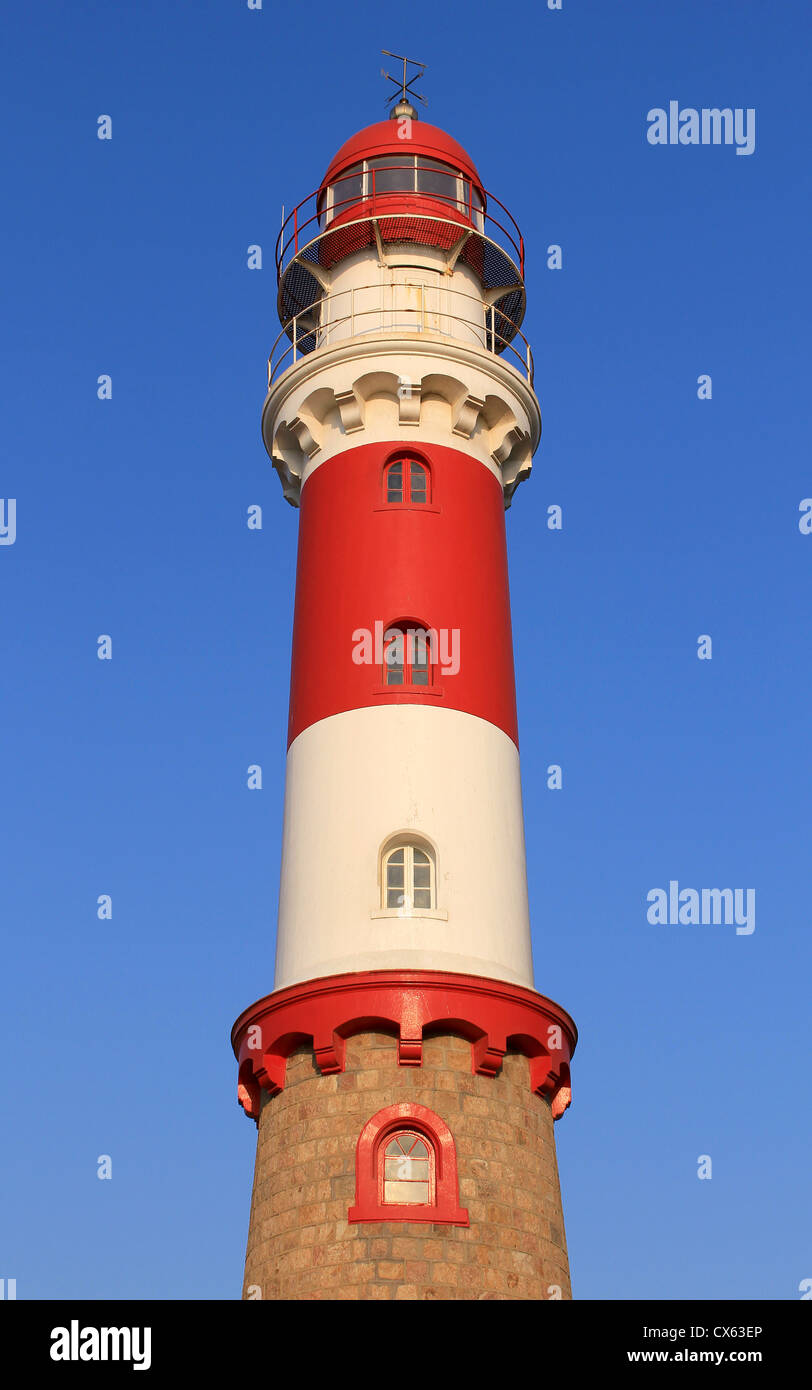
x: 127, y: 777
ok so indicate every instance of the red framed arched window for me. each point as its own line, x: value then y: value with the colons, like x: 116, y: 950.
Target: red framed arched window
x: 409, y: 654
x: 406, y: 1169
x: 406, y: 482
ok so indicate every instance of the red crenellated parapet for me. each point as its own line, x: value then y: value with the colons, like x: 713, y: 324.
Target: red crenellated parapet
x: 494, y: 1015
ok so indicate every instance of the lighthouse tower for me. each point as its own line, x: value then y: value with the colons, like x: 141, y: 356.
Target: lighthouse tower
x: 404, y: 1073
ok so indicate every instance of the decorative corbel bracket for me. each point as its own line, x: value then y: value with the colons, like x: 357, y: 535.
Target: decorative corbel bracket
x: 351, y: 409
x: 464, y: 418
x: 409, y: 404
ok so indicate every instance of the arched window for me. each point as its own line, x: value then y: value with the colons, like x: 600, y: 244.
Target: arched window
x: 406, y: 481
x: 406, y: 1168
x: 408, y: 655
x: 408, y: 878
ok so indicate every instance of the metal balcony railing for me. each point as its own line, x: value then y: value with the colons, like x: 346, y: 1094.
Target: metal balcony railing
x: 379, y: 205
x: 378, y: 189
x: 391, y: 310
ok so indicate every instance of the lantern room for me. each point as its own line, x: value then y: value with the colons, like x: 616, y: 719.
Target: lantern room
x: 406, y: 169
x: 401, y: 236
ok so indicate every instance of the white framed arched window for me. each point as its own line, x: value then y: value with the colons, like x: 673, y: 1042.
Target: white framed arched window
x: 408, y: 878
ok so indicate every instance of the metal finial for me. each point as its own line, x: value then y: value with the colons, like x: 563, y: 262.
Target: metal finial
x: 403, y: 105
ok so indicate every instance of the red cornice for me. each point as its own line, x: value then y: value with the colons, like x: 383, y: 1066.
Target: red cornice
x: 494, y: 1015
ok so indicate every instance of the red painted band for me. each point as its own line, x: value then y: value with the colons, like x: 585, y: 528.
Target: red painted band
x: 362, y: 563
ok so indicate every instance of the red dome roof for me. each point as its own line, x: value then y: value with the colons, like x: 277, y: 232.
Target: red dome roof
x: 382, y: 139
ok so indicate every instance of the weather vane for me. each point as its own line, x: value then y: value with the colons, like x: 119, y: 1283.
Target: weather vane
x: 403, y: 83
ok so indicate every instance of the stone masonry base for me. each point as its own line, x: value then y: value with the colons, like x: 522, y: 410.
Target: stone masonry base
x: 300, y: 1242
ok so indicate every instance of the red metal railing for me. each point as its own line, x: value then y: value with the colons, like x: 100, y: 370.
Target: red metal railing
x: 312, y: 218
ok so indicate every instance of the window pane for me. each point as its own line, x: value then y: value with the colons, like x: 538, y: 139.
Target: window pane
x: 407, y: 1193
x: 420, y: 658
x: 389, y: 179
x: 437, y: 180
x: 394, y: 643
x: 393, y: 1147
x: 394, y: 897
x: 395, y: 470
x: 422, y: 876
x: 348, y: 189
x: 407, y: 1169
x: 394, y: 876
x: 422, y: 897
x: 393, y: 657
x: 395, y: 494
x: 419, y: 1150
x: 419, y: 647
x: 420, y: 857
x: 417, y: 482
x: 396, y: 857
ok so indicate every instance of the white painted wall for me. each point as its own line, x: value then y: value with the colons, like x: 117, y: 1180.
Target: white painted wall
x: 355, y: 779
x: 411, y: 293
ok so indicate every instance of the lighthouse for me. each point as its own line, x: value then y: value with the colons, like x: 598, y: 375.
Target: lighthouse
x: 404, y: 1072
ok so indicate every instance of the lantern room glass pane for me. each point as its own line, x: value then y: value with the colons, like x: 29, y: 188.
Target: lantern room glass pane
x: 394, y: 173
x: 437, y: 180
x: 348, y: 188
